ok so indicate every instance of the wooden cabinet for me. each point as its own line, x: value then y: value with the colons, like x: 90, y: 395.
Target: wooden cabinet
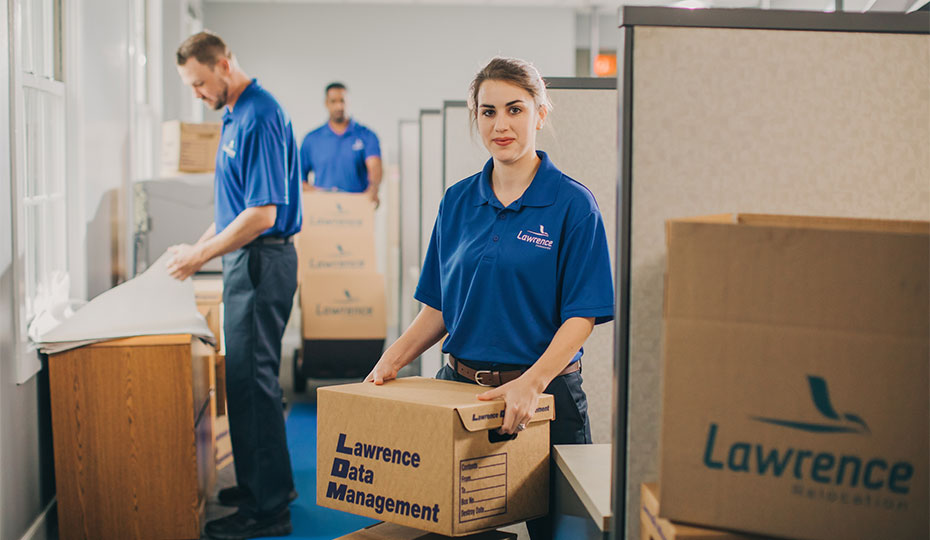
x: 133, y: 437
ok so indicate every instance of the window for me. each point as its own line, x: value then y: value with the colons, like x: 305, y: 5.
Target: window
x: 40, y: 213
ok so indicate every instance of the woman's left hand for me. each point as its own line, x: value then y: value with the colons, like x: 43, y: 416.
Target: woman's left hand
x: 521, y: 400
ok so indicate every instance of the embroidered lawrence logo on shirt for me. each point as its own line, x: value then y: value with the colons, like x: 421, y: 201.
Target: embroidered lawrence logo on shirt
x: 538, y: 238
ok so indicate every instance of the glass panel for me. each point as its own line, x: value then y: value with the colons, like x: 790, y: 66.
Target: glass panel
x: 32, y: 258
x: 57, y: 156
x: 31, y: 98
x: 27, y: 42
x: 57, y: 240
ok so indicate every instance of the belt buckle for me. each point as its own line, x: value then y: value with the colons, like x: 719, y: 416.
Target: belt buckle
x: 478, y: 375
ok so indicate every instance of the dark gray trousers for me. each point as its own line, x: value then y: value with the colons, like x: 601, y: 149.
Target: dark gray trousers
x: 259, y: 281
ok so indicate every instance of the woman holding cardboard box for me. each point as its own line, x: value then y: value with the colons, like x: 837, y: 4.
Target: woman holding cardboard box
x: 517, y: 270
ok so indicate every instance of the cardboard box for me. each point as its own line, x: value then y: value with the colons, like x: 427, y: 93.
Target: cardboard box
x: 189, y: 148
x: 653, y: 527
x: 796, y: 376
x: 349, y: 252
x: 421, y: 453
x: 338, y: 214
x: 343, y: 305
x: 392, y: 531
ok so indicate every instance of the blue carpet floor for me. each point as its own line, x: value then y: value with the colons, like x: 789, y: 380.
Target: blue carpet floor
x: 312, y: 522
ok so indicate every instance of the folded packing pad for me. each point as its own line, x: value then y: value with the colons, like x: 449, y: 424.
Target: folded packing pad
x: 153, y: 303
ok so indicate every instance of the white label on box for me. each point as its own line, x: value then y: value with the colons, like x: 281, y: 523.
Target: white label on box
x: 483, y: 487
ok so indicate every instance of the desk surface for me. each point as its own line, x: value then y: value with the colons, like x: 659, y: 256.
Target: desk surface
x: 587, y: 468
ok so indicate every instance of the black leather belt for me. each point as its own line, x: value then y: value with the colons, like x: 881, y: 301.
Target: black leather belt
x: 487, y: 377
x: 271, y: 240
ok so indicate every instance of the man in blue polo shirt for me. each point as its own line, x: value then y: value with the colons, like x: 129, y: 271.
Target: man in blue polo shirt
x: 257, y: 211
x: 342, y: 154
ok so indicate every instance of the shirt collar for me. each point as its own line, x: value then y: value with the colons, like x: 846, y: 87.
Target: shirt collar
x: 243, y: 97
x: 542, y: 190
x: 349, y: 129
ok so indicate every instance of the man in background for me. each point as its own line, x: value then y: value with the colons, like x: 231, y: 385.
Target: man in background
x: 342, y: 154
x: 257, y: 211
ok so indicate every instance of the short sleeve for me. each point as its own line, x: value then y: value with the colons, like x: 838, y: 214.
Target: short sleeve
x: 586, y: 284
x: 306, y: 164
x: 429, y: 288
x: 372, y: 145
x: 264, y: 165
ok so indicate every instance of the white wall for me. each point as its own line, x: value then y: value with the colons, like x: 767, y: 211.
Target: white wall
x: 395, y: 60
x: 104, y: 142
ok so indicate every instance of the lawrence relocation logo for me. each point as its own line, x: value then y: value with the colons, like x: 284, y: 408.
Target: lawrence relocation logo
x: 346, y: 305
x: 872, y: 481
x: 539, y: 238
x: 344, y: 219
x: 340, y: 259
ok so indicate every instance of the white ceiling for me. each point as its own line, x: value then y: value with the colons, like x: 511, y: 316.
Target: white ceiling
x: 849, y: 5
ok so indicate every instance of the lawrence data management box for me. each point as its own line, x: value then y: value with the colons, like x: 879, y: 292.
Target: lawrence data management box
x: 425, y: 454
x: 796, y: 376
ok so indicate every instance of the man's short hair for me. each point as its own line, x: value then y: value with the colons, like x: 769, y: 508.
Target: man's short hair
x: 336, y: 86
x: 206, y: 47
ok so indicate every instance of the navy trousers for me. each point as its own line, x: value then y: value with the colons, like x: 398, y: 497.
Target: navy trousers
x: 259, y: 281
x: 571, y: 426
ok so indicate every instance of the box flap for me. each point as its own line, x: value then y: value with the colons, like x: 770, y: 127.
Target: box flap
x: 845, y: 275
x: 420, y: 390
x: 481, y: 415
x: 812, y: 222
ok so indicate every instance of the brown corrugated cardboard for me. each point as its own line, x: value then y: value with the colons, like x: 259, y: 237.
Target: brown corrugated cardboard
x: 343, y: 305
x: 423, y: 453
x: 189, y: 148
x: 796, y: 376
x: 392, y: 531
x: 338, y: 214
x: 653, y: 527
x: 352, y: 252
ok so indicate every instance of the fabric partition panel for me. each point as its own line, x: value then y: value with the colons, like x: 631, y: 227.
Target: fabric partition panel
x: 431, y: 191
x: 409, y: 220
x: 462, y: 150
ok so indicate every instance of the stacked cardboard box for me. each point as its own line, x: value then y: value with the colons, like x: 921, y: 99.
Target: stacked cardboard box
x: 188, y: 148
x: 797, y: 376
x: 341, y: 294
x: 425, y: 454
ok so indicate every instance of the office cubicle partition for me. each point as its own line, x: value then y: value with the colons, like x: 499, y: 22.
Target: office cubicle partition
x: 409, y: 271
x: 750, y: 111
x: 431, y: 190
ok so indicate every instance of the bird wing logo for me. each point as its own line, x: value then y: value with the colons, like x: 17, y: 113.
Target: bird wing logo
x: 820, y: 395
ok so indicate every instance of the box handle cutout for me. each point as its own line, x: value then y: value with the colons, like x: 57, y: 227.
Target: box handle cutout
x: 495, y: 437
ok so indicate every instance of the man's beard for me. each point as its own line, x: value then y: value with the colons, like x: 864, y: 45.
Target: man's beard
x: 221, y: 101
x: 338, y: 119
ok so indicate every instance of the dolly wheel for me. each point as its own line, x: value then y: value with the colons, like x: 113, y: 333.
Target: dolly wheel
x: 300, y: 382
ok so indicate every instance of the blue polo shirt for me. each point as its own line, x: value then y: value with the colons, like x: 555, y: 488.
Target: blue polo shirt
x: 257, y: 163
x: 338, y: 161
x: 505, y: 279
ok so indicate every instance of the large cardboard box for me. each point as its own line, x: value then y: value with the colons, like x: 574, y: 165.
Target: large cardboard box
x: 392, y: 531
x: 796, y: 376
x: 348, y: 252
x: 653, y: 527
x: 189, y: 148
x: 424, y: 453
x: 343, y: 305
x: 338, y: 214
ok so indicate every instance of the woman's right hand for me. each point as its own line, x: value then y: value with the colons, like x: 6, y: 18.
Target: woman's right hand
x: 384, y: 370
